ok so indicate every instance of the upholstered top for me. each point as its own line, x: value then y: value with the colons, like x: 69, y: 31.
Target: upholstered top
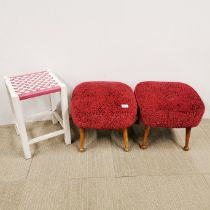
x: 103, y: 105
x: 169, y: 104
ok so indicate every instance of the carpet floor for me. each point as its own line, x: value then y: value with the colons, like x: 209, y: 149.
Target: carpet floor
x: 104, y: 176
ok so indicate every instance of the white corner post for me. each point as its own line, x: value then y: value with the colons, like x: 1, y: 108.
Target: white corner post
x: 13, y: 111
x: 65, y: 114
x: 19, y: 119
x: 21, y: 126
x: 64, y: 109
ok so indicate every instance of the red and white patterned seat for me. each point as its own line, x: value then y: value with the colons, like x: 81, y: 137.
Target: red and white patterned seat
x: 34, y: 84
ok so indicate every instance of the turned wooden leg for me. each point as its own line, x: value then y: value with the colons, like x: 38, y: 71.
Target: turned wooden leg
x: 187, y: 139
x: 82, y: 139
x: 146, y: 134
x: 125, y: 138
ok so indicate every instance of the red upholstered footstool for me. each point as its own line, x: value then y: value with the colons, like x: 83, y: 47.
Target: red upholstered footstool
x: 168, y: 104
x: 103, y: 105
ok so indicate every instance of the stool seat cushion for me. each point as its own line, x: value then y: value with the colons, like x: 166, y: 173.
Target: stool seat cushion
x: 34, y: 84
x: 169, y: 104
x: 103, y: 105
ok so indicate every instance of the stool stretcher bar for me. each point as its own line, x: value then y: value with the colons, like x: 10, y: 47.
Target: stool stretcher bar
x: 46, y: 136
x: 39, y: 114
x: 57, y: 116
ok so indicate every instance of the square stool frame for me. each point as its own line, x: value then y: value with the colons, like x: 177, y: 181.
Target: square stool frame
x: 20, y: 127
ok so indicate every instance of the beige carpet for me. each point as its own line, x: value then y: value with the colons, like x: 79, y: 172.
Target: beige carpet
x: 104, y: 176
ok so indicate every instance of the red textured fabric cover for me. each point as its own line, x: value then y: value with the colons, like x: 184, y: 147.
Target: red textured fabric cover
x: 99, y: 105
x: 169, y: 104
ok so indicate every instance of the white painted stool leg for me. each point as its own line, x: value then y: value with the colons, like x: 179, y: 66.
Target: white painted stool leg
x: 53, y: 107
x: 13, y: 112
x: 65, y: 114
x: 22, y: 129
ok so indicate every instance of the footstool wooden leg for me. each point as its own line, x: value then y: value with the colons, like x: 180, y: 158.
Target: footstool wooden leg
x: 187, y: 139
x: 146, y: 134
x: 82, y: 139
x: 125, y: 138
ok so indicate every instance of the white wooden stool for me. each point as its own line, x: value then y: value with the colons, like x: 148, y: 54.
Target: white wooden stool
x: 33, y: 85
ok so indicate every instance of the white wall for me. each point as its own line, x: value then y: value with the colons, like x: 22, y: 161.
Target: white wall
x: 123, y: 40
